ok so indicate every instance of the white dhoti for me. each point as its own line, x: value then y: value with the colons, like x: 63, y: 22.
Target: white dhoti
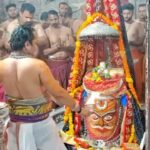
x: 41, y: 135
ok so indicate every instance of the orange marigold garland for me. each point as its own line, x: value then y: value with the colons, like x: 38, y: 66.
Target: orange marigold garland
x: 73, y: 83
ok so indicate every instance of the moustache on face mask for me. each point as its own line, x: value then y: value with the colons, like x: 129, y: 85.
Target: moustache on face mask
x: 102, y: 127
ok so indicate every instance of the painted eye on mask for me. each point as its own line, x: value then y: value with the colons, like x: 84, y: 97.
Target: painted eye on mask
x: 94, y: 117
x: 108, y: 117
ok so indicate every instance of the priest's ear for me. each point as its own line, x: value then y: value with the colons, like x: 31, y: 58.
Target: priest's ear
x: 27, y: 46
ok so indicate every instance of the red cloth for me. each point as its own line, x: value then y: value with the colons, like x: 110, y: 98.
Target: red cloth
x: 2, y: 94
x: 61, y: 70
x: 137, y: 57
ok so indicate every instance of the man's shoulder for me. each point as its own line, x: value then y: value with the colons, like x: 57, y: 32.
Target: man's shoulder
x: 47, y: 29
x: 39, y: 64
x: 14, y: 22
x: 36, y: 24
x: 4, y: 24
x: 33, y: 63
x: 140, y: 23
x: 76, y: 21
x: 136, y: 23
x: 39, y: 29
x: 65, y: 29
x: 12, y: 25
x: 36, y: 61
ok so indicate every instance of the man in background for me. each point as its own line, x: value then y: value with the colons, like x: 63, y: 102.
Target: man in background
x: 26, y: 15
x: 128, y: 11
x: 61, y: 49
x: 142, y: 19
x: 142, y: 14
x: 12, y: 14
x: 72, y: 23
x: 63, y: 10
x: 44, y: 20
x: 136, y: 36
x: 66, y: 19
x: 30, y: 126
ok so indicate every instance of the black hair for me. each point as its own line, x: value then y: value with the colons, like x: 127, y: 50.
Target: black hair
x: 53, y: 12
x: 142, y: 5
x: 28, y: 7
x: 9, y: 6
x: 44, y: 16
x: 69, y: 13
x: 21, y: 35
x: 63, y: 3
x: 128, y: 6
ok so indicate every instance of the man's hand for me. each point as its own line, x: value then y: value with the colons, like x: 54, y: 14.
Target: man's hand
x: 56, y: 45
x: 46, y: 51
x: 54, y: 48
x: 85, y: 111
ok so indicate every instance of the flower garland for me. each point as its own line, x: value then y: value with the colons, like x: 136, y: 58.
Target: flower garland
x: 76, y: 68
x: 68, y: 114
x: 132, y: 136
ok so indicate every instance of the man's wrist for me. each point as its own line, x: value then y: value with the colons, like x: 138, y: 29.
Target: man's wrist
x: 76, y: 108
x: 79, y: 111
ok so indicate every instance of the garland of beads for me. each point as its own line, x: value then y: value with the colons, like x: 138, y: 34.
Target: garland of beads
x: 17, y: 55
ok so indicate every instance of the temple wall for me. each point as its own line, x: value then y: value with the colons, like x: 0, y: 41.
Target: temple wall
x: 45, y: 5
x: 42, y: 5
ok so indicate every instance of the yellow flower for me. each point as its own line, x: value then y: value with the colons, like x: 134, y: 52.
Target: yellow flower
x: 77, y: 43
x: 132, y: 136
x: 129, y: 80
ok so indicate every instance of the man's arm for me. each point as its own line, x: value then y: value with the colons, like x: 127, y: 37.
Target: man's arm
x: 41, y: 37
x: 53, y: 88
x: 76, y: 25
x: 71, y: 39
x: 7, y: 34
x: 52, y: 50
x: 69, y: 43
x: 4, y: 24
x: 5, y: 39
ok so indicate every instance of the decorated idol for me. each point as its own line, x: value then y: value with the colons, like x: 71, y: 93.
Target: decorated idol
x: 100, y: 81
x: 105, y: 90
x: 105, y: 97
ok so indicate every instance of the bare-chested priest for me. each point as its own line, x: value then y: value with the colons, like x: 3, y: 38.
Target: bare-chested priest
x: 136, y: 36
x: 30, y: 126
x: 12, y: 13
x: 61, y: 49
